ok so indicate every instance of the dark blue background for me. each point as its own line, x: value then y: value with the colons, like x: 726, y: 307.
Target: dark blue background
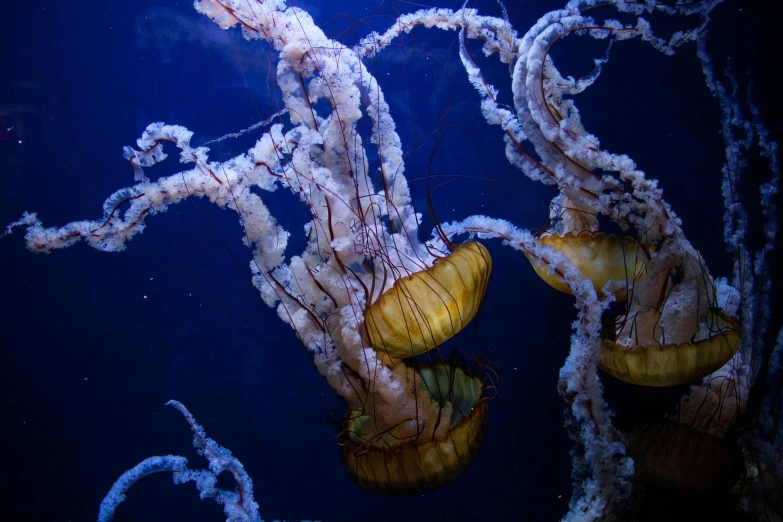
x: 92, y: 344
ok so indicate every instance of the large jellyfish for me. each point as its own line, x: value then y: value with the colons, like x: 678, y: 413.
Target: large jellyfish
x: 364, y: 280
x: 391, y: 257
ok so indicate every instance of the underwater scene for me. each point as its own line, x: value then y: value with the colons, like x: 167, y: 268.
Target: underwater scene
x: 391, y: 260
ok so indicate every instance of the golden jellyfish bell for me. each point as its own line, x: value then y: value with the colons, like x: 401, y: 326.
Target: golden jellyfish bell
x: 672, y: 364
x: 385, y: 464
x: 676, y: 456
x: 424, y: 309
x: 599, y: 257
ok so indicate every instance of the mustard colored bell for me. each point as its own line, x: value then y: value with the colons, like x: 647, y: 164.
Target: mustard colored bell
x: 600, y: 258
x: 426, y: 308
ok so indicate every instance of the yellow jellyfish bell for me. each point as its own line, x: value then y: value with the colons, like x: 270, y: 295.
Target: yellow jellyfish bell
x: 600, y: 257
x: 424, y: 309
x: 672, y: 364
x: 386, y: 465
x: 675, y: 456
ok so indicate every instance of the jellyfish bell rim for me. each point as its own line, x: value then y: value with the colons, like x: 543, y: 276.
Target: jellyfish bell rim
x: 676, y: 456
x: 423, y: 463
x: 659, y: 365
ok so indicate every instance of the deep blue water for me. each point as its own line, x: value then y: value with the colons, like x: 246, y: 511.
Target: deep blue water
x: 93, y: 344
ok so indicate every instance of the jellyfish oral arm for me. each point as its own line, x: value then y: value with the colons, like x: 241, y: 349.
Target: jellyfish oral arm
x: 238, y: 505
x: 224, y: 184
x: 604, y: 461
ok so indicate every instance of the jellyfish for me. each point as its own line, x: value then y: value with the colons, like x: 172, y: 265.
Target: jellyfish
x: 673, y: 329
x: 366, y: 296
x: 693, y: 450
